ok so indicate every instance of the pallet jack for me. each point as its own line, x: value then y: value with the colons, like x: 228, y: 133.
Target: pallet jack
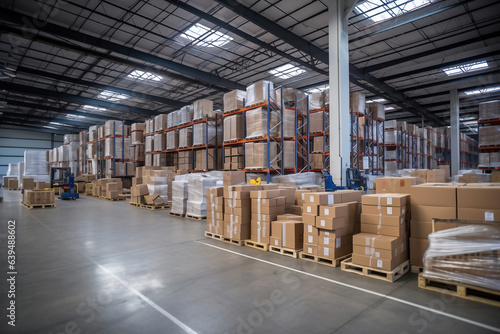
x: 354, y: 180
x: 61, y: 177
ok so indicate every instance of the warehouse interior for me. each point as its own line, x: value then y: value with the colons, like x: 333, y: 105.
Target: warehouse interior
x: 230, y: 166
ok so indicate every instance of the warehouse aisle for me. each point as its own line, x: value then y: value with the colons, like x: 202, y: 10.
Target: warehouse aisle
x: 107, y: 267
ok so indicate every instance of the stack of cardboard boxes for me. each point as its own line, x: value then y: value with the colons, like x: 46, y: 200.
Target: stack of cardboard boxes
x: 233, y: 158
x: 237, y: 211
x: 383, y: 242
x: 428, y: 201
x: 215, y: 210
x: 266, y: 205
x: 330, y: 220
x: 287, y: 234
x: 37, y: 197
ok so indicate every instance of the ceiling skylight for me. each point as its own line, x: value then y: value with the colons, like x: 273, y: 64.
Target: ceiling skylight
x: 206, y: 37
x: 470, y: 122
x: 389, y: 108
x: 112, y: 96
x: 381, y: 10
x: 55, y: 123
x: 93, y: 108
x: 466, y: 68
x: 376, y: 101
x: 286, y: 71
x: 142, y: 75
x: 482, y: 90
x: 316, y: 89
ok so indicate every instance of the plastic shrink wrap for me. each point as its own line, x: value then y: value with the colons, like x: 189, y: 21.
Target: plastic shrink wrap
x: 185, y: 115
x: 150, y: 126
x: 179, y: 195
x: 197, y: 190
x: 159, y: 189
x: 63, y: 154
x: 316, y: 101
x: 13, y: 170
x: 71, y: 138
x: 466, y: 254
x: 93, y: 133
x: 299, y: 179
x: 202, y: 130
x: 186, y: 137
x: 35, y: 163
x: 233, y: 100
x: 259, y: 92
x: 256, y: 123
x: 233, y: 128
x: 172, y: 140
x: 203, y: 109
x: 121, y: 145
x: 115, y: 128
x: 161, y: 122
x: 73, y: 151
x: 489, y: 110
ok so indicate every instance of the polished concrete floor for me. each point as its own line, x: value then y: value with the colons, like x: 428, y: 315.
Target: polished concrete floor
x: 93, y: 266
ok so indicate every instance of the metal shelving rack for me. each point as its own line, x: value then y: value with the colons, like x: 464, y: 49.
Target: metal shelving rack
x: 326, y: 139
x: 489, y: 148
x: 370, y: 146
x: 355, y: 140
x: 302, y: 141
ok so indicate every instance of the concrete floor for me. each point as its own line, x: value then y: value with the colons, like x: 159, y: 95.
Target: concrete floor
x: 93, y: 266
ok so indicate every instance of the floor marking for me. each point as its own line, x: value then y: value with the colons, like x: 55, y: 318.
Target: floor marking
x: 151, y: 303
x: 402, y: 301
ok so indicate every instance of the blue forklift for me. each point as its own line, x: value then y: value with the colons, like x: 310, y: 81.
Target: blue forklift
x: 61, y: 177
x: 354, y: 179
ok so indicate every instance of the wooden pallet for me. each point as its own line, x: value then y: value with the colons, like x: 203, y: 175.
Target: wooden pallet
x: 323, y: 260
x: 389, y: 276
x: 111, y: 199
x: 38, y: 206
x: 13, y: 188
x: 255, y: 137
x: 233, y: 241
x: 214, y: 236
x: 285, y: 251
x: 155, y: 207
x: 416, y: 269
x: 195, y: 217
x: 257, y: 245
x: 135, y: 204
x: 177, y: 214
x: 462, y: 290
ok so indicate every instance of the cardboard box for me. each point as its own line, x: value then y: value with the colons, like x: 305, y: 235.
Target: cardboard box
x: 290, y: 232
x: 289, y: 216
x: 417, y: 251
x: 386, y: 199
x: 322, y: 198
x: 256, y: 194
x: 394, y: 231
x: 296, y: 209
x: 41, y: 185
x: 32, y: 197
x: 334, y: 211
x: 233, y: 178
x: 13, y: 184
x: 420, y: 174
x: 312, y: 209
x: 427, y: 213
x: 479, y: 214
x: 260, y: 232
x: 372, y: 262
x: 435, y: 194
x: 28, y: 183
x: 478, y: 197
x: 398, y: 185
x: 310, y: 249
x: 330, y: 223
x: 275, y: 241
x: 420, y: 229
x: 334, y: 252
x: 139, y: 190
x: 311, y: 238
x: 436, y: 175
x: 373, y: 252
x: 382, y: 220
x: 236, y: 231
x: 384, y: 210
x: 233, y: 100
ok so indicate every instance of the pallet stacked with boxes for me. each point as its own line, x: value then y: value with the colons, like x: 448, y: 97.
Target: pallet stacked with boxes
x: 215, y: 212
x: 266, y: 205
x: 489, y: 135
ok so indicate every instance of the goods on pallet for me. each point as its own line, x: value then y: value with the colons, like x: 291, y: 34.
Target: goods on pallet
x: 256, y: 123
x: 115, y: 128
x: 316, y: 121
x: 34, y: 197
x: 185, y: 160
x: 149, y: 144
x: 186, y: 137
x: 161, y: 122
x: 287, y: 234
x: 204, y: 162
x: 137, y: 192
x: 179, y: 195
x: 428, y: 201
x: 233, y: 100
x: 159, y: 142
x: 172, y: 140
x: 206, y: 134
x: 384, y: 220
x: 159, y: 183
x: 316, y: 101
x: 233, y: 128
x: 398, y: 185
x: 137, y: 137
x: 150, y: 126
x: 256, y: 155
x: 215, y: 210
x: 203, y: 109
x: 259, y: 92
x: 266, y: 205
x: 237, y: 211
x: 290, y: 96
x: 465, y: 254
x: 357, y: 102
x: 233, y: 158
x: 489, y: 135
x: 330, y: 220
x: 120, y: 146
x: 197, y: 191
x: 489, y: 110
x: 28, y: 183
x: 288, y: 155
x: 36, y: 165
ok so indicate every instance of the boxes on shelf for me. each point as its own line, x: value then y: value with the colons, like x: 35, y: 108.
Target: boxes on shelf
x: 186, y: 137
x: 316, y: 161
x: 489, y: 110
x: 172, y: 139
x: 476, y: 202
x: 161, y: 122
x: 376, y: 110
x: 256, y: 155
x: 233, y: 100
x: 256, y: 123
x: 159, y: 142
x: 203, y: 130
x: 115, y: 128
x: 233, y: 128
x: 259, y: 92
x: 316, y: 121
x: 13, y: 184
x: 203, y: 109
x: 489, y: 135
x: 204, y: 162
x: 185, y: 160
x: 233, y: 158
x: 215, y: 210
x: 357, y: 102
x: 316, y: 101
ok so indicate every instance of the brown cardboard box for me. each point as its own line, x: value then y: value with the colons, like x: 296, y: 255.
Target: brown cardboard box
x: 394, y: 231
x: 236, y: 231
x: 300, y: 196
x: 275, y: 241
x: 427, y: 213
x: 28, y: 183
x: 382, y: 220
x: 399, y: 185
x: 233, y: 128
x: 376, y: 241
x: 233, y: 100
x: 334, y: 211
x: 478, y: 197
x: 420, y: 174
x: 310, y: 249
x: 13, y: 184
x: 312, y: 209
x: 290, y: 232
x: 435, y: 194
x: 386, y: 199
x: 333, y: 240
x: 372, y: 262
x: 311, y: 238
x: 322, y: 198
x: 41, y: 185
x: 265, y: 193
x: 233, y: 178
x: 479, y: 214
x: 374, y: 252
x: 237, y: 219
x: 436, y: 176
x: 296, y: 209
x: 260, y: 232
x: 334, y: 252
x: 309, y: 219
x: 384, y: 210
x: 139, y: 190
x: 330, y: 223
x: 32, y: 197
x: 236, y: 203
x: 417, y: 251
x: 420, y: 229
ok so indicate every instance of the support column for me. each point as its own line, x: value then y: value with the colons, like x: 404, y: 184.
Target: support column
x: 455, y: 131
x: 340, y: 148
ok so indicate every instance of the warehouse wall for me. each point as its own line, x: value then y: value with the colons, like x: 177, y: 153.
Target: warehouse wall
x: 13, y: 143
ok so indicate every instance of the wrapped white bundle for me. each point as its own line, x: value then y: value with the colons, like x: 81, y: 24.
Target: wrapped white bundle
x: 63, y: 154
x: 159, y: 189
x: 197, y: 190
x: 179, y: 195
x: 73, y: 151
x: 35, y: 163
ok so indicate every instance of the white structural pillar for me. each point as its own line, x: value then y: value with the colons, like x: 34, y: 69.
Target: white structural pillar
x: 455, y: 131
x: 340, y: 146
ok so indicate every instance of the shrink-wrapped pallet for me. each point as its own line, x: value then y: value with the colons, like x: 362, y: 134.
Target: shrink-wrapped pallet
x: 70, y: 138
x: 233, y: 100
x: 203, y: 109
x: 204, y: 131
x: 115, y: 128
x: 186, y: 137
x: 161, y: 122
x: 185, y: 115
x: 148, y: 140
x: 233, y: 128
x: 197, y: 190
x: 35, y: 163
x: 259, y: 92
x: 172, y: 140
x: 179, y: 195
x: 256, y: 123
x: 316, y: 101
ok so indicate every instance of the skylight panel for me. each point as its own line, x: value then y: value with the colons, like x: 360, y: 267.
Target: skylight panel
x: 376, y: 101
x: 483, y: 90
x: 206, y: 37
x: 112, y: 96
x: 381, y: 10
x: 389, y: 108
x: 286, y: 71
x: 143, y: 75
x: 466, y: 68
x: 93, y: 108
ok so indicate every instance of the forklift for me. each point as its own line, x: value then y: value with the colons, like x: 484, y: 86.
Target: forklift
x: 61, y: 177
x: 354, y: 179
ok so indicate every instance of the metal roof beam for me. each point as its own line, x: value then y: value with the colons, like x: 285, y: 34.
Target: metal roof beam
x: 30, y: 127
x: 20, y: 117
x: 58, y: 77
x: 250, y: 38
x: 7, y: 15
x: 305, y: 46
x: 73, y: 98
